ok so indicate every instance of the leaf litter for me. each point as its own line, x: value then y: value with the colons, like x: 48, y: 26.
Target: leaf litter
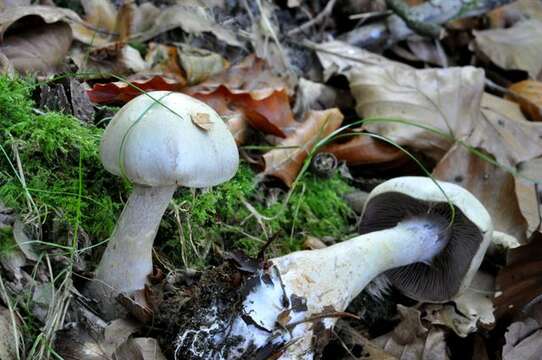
x: 284, y: 78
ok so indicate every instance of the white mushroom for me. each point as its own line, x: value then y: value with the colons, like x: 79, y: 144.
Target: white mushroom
x: 407, y: 233
x: 158, y: 141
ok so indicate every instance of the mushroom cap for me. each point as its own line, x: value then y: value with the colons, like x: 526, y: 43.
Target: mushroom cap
x: 452, y: 270
x: 163, y: 138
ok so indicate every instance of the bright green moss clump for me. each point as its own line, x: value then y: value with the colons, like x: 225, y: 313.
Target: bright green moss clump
x: 59, y: 158
x: 228, y: 215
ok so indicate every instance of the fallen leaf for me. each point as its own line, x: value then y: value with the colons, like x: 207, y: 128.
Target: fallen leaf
x: 121, y: 92
x: 191, y: 19
x: 104, y: 24
x: 470, y: 311
x: 317, y: 96
x: 163, y: 60
x: 523, y: 340
x: 520, y: 281
x: 200, y: 64
x: 363, y: 150
x: 411, y: 340
x: 514, y: 12
x: 355, y: 342
x: 493, y: 186
x: 530, y: 203
x: 35, y: 38
x: 8, y: 344
x: 528, y: 94
x: 250, y: 88
x: 202, y: 121
x: 514, y: 48
x: 504, y: 132
x: 444, y: 99
x: 48, y: 14
x: 285, y: 162
x: 104, y: 61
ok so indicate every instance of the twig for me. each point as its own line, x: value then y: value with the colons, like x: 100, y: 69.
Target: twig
x: 292, y: 325
x: 326, y: 12
x: 419, y: 27
x: 393, y: 29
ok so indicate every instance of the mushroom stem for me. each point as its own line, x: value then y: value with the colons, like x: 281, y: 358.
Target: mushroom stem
x: 343, y: 270
x: 127, y: 260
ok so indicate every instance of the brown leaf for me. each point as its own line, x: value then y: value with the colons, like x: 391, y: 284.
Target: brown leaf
x: 491, y: 185
x: 504, y: 132
x: 285, y: 163
x: 164, y: 60
x: 444, y: 99
x: 530, y: 203
x: 192, y: 19
x: 250, y: 88
x: 200, y: 64
x: 363, y: 150
x: 514, y: 48
x: 35, y: 41
x: 202, y: 121
x: 21, y: 14
x: 528, y: 94
x: 411, y: 340
x: 520, y: 281
x: 119, y: 92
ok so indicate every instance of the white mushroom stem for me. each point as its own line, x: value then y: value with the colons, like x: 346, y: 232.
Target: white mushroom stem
x: 329, y: 279
x: 127, y: 260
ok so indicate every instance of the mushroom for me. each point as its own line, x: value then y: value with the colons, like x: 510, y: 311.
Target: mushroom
x: 158, y: 141
x: 408, y: 233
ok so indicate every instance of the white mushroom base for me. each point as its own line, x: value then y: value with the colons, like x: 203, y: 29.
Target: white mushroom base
x: 294, y: 300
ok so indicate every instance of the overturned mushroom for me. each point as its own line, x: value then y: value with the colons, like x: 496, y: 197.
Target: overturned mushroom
x: 158, y: 141
x: 408, y: 233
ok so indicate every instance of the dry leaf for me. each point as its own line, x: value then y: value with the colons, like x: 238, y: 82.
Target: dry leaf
x: 504, y: 132
x: 515, y: 48
x: 285, y: 163
x: 530, y: 203
x: 316, y: 96
x: 119, y: 92
x: 48, y: 14
x: 523, y: 340
x: 510, y: 14
x: 250, y: 88
x: 35, y: 38
x: 411, y: 340
x: 491, y: 185
x: 363, y: 150
x: 202, y: 121
x: 471, y: 310
x: 445, y: 99
x: 163, y: 60
x: 520, y: 282
x: 200, y: 64
x: 355, y: 342
x: 192, y: 19
x: 528, y: 94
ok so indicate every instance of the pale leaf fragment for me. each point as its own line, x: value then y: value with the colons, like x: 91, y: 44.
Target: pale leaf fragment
x: 515, y: 48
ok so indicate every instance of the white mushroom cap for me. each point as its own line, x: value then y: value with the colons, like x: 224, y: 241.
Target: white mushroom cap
x: 175, y: 140
x: 451, y: 271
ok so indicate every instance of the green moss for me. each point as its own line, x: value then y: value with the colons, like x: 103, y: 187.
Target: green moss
x: 222, y: 216
x: 50, y: 149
